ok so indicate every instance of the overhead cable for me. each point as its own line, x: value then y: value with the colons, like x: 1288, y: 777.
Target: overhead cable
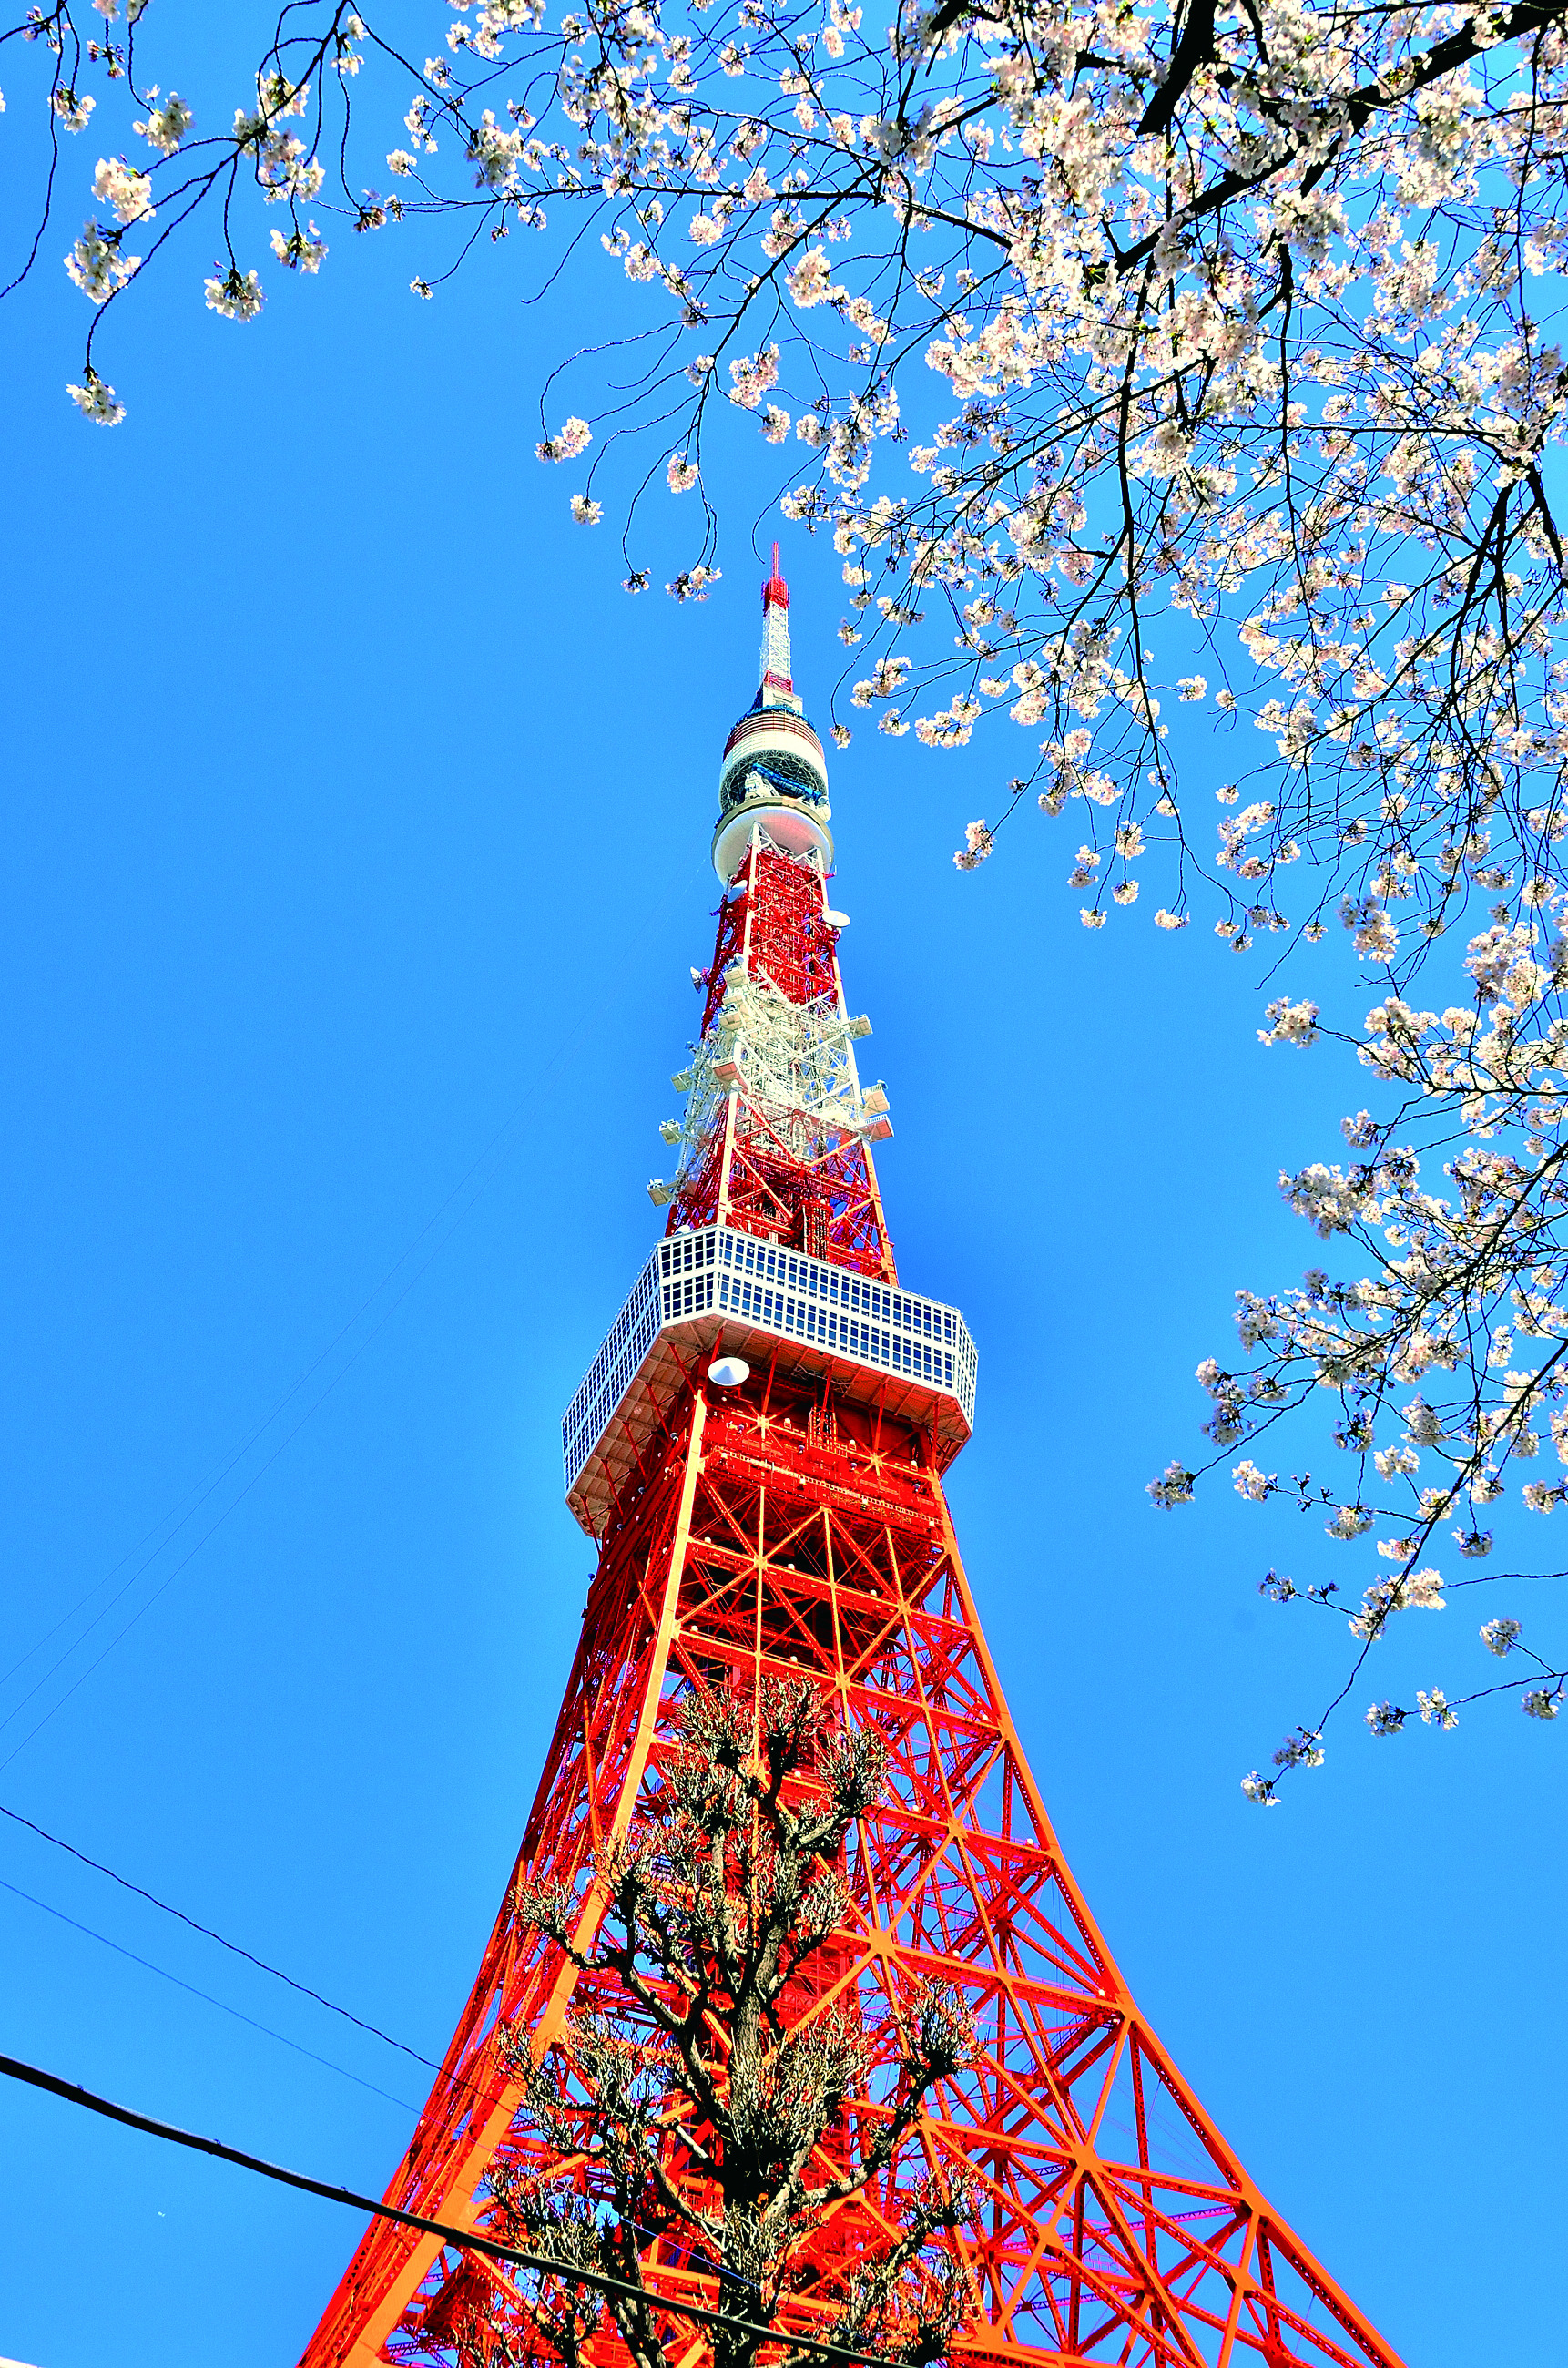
x: 207, y: 1997
x: 466, y: 2240
x: 464, y: 2079
x: 497, y: 1142
x: 208, y: 1933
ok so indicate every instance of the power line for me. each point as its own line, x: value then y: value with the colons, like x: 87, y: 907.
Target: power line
x: 464, y: 2079
x: 236, y: 1455
x: 260, y: 1472
x: 192, y: 1506
x: 466, y: 2240
x: 206, y: 1933
x: 56, y: 1841
x: 206, y: 1995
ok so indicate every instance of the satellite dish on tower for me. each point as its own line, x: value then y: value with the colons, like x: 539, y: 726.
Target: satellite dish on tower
x: 729, y: 1372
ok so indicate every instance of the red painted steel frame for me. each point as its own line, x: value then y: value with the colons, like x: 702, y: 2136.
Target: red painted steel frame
x: 780, y: 1531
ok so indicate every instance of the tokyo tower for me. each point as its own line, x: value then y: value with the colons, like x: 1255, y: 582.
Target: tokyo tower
x: 758, y: 1451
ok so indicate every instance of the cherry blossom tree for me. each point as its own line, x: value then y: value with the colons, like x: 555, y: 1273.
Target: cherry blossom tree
x: 1139, y: 357
x: 690, y: 2115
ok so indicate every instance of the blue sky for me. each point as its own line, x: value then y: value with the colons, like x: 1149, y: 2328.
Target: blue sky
x: 355, y: 852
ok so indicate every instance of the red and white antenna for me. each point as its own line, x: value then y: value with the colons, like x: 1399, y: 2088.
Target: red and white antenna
x: 776, y: 675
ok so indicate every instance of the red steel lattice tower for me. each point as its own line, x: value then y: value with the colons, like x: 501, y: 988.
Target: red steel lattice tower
x: 758, y: 1451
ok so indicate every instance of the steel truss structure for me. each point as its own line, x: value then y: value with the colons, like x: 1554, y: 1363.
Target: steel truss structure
x: 776, y: 1131
x: 795, y: 1524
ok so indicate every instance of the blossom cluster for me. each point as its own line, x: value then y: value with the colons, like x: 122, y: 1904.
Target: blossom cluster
x: 1212, y: 321
x: 1148, y: 369
x: 1441, y: 1335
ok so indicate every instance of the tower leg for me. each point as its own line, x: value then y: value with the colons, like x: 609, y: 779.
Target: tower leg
x: 586, y: 1796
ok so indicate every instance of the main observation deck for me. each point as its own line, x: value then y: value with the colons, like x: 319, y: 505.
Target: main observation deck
x: 878, y: 1345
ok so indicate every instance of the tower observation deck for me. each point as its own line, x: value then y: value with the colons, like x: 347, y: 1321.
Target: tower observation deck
x: 756, y: 1449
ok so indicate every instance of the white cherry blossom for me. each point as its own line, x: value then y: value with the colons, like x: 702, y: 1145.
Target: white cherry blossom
x: 1160, y: 376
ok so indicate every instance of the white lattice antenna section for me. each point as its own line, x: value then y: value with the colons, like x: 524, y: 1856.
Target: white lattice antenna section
x: 791, y: 1060
x: 874, y: 1343
x: 775, y: 631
